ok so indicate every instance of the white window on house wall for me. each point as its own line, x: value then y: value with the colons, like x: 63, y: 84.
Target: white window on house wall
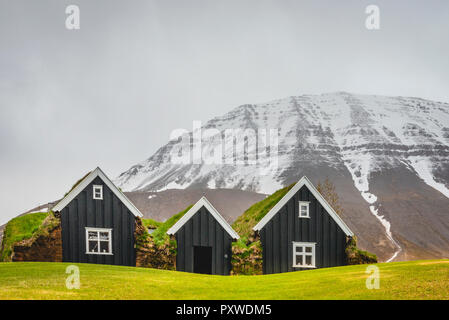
x: 98, y: 192
x: 98, y: 241
x: 304, y: 209
x: 304, y: 255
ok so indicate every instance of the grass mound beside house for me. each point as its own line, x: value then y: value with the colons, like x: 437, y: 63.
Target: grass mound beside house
x: 247, y: 251
x: 158, y: 249
x: 356, y: 256
x: 19, y: 229
x: 425, y: 279
x: 28, y: 227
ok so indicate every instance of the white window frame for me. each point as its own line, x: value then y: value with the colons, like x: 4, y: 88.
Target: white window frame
x: 98, y: 230
x: 100, y: 189
x: 304, y: 245
x: 304, y: 203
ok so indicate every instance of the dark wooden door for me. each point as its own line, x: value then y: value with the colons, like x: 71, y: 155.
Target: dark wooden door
x: 202, y: 260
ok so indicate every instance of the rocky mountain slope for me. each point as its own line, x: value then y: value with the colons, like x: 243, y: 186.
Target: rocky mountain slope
x: 162, y: 205
x: 387, y: 156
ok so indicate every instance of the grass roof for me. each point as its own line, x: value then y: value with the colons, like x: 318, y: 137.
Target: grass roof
x: 245, y: 223
x: 160, y: 235
x: 151, y: 223
x: 77, y: 183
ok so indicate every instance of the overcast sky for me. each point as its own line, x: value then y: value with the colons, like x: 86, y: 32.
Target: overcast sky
x: 110, y: 93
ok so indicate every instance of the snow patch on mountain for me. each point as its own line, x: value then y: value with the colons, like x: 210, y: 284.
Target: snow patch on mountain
x: 423, y: 167
x: 387, y: 226
x: 360, y: 170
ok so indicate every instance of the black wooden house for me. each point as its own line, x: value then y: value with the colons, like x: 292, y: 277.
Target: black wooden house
x: 97, y: 222
x: 302, y: 231
x: 204, y: 240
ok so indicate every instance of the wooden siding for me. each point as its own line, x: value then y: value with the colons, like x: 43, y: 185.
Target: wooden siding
x: 83, y: 211
x: 286, y: 227
x: 202, y: 229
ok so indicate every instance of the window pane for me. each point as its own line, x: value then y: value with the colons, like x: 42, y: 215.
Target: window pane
x: 298, y: 249
x: 308, y: 249
x: 93, y: 246
x: 308, y: 260
x: 104, y: 236
x: 93, y: 235
x: 299, y: 260
x: 304, y: 211
x: 104, y: 247
x: 98, y: 192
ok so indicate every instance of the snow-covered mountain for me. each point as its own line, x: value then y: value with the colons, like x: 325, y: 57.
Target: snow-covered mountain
x: 387, y: 156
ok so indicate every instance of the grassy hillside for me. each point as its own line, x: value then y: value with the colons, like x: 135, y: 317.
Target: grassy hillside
x: 19, y: 229
x: 244, y: 224
x: 426, y: 279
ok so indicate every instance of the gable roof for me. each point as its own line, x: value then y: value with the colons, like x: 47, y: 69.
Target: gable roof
x: 86, y: 181
x: 203, y: 202
x: 304, y: 181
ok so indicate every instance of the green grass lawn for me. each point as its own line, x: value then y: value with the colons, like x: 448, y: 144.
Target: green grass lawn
x: 425, y: 279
